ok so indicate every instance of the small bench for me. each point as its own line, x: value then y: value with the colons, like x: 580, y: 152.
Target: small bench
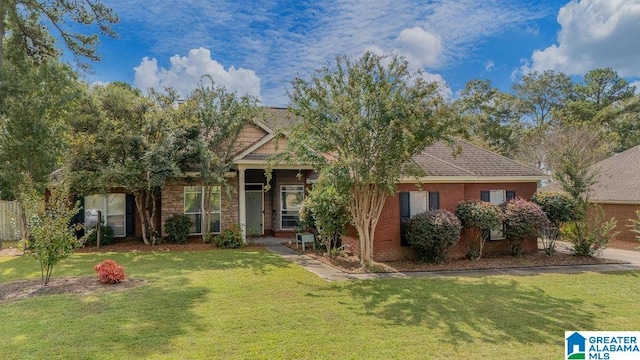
x: 303, y: 238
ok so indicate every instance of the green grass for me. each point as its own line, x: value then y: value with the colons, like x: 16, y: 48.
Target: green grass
x: 252, y: 304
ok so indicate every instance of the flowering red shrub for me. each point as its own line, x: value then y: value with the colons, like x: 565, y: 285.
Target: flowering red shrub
x: 109, y: 272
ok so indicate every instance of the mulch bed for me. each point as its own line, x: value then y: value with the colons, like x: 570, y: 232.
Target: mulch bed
x: 67, y: 285
x: 351, y: 264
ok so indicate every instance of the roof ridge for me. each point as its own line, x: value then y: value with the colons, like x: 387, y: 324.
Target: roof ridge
x: 618, y: 155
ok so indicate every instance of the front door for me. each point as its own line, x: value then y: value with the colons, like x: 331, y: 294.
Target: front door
x: 254, y: 203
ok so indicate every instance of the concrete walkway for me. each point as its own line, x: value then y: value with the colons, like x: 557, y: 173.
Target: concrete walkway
x: 632, y: 259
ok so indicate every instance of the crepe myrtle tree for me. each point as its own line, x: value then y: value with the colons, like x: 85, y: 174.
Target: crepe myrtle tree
x: 52, y: 232
x: 365, y: 118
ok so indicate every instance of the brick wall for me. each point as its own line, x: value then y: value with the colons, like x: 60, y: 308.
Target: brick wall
x: 622, y: 213
x: 387, y: 247
x: 172, y: 201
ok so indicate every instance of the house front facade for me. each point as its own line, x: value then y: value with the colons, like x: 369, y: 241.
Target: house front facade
x: 272, y: 208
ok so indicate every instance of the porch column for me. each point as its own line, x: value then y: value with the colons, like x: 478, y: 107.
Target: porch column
x: 242, y: 204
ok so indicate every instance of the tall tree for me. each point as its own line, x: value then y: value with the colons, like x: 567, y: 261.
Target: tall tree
x: 39, y: 98
x: 541, y: 93
x: 29, y: 22
x: 362, y: 121
x: 216, y: 118
x: 606, y: 101
x: 123, y: 139
x: 603, y: 87
x: 492, y: 117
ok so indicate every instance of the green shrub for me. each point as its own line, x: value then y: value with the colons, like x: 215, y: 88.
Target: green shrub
x: 477, y: 217
x: 177, y: 228
x: 229, y: 238
x: 106, y: 236
x: 433, y: 233
x: 591, y: 235
x: 559, y: 207
x: 329, y: 213
x: 522, y: 219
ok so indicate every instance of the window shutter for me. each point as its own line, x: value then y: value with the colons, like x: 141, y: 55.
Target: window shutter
x: 434, y: 201
x: 511, y: 195
x: 405, y: 215
x: 130, y: 215
x: 485, y: 196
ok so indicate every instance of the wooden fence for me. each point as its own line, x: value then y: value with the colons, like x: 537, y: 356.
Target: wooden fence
x: 10, y: 222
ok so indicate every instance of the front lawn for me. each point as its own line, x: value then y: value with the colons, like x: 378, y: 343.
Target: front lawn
x: 252, y: 304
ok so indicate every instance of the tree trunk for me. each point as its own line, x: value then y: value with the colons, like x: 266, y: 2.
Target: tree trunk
x: 153, y: 232
x: 366, y: 204
x: 138, y: 198
x: 24, y: 229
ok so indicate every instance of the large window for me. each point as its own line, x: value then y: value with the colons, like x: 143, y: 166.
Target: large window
x: 497, y: 197
x: 413, y: 203
x: 291, y: 197
x: 194, y: 203
x: 113, y: 208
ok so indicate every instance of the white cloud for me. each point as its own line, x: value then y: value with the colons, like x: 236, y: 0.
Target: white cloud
x: 185, y: 73
x: 99, y: 83
x: 422, y: 48
x: 637, y: 85
x: 594, y: 34
x: 443, y: 87
x: 281, y: 40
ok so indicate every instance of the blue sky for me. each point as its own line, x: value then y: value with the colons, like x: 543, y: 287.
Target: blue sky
x: 259, y: 46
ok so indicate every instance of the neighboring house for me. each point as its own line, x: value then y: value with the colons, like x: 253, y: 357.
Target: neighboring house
x: 473, y: 174
x: 617, y: 189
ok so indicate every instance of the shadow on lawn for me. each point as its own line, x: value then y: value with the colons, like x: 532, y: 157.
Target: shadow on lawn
x: 147, y: 320
x: 486, y: 309
x: 138, y: 322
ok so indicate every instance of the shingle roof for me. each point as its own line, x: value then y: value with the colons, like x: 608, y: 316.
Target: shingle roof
x: 278, y: 119
x: 439, y: 160
x: 618, y: 178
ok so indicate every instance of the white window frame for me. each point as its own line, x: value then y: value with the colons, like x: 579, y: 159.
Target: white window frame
x: 299, y: 188
x: 196, y: 190
x: 494, y: 198
x: 108, y: 214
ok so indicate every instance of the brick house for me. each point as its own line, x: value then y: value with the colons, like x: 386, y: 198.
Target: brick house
x: 617, y: 189
x: 473, y: 174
